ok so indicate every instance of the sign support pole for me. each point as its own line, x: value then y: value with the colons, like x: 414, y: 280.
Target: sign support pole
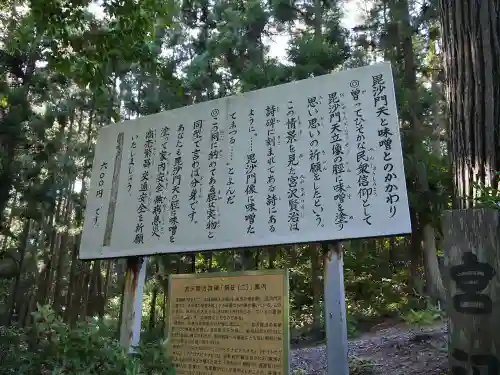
x: 335, y: 310
x: 130, y: 329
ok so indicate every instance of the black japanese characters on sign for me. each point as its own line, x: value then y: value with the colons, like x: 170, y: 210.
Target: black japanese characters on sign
x: 271, y: 143
x: 339, y: 168
x: 177, y: 172
x: 233, y: 131
x: 213, y: 221
x: 144, y: 186
x: 196, y: 175
x: 294, y: 196
x: 102, y: 175
x: 363, y: 160
x: 160, y: 199
x: 259, y: 168
x: 226, y: 287
x: 479, y: 362
x: 131, y: 163
x: 99, y: 193
x: 472, y: 277
x: 221, y: 326
x: 251, y: 165
x: 386, y: 139
x: 315, y: 124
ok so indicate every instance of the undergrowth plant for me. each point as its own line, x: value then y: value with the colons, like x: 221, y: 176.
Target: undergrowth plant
x: 50, y: 346
x: 487, y: 196
x: 424, y: 317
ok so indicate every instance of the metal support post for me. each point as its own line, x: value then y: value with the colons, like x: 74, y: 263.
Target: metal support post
x: 130, y: 329
x: 335, y: 310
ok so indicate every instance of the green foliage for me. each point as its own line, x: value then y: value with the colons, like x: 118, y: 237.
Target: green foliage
x: 52, y: 347
x: 424, y: 317
x: 374, y: 287
x: 488, y: 196
x: 352, y: 326
x: 359, y: 366
x: 88, y: 49
x: 327, y: 54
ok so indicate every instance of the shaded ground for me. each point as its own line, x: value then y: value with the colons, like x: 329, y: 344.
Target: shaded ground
x: 399, y: 350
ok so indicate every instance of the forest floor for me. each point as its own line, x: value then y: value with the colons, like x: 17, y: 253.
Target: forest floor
x: 398, y: 350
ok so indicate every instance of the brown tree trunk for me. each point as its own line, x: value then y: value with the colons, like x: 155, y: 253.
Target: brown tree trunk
x: 317, y: 288
x: 425, y: 241
x: 271, y: 251
x: 152, y: 311
x: 105, y: 289
x: 61, y: 268
x: 74, y: 288
x: 93, y: 300
x: 471, y: 46
x: 11, y: 307
x: 73, y: 280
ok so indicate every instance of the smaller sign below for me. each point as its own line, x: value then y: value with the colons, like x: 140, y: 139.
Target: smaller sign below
x: 229, y: 323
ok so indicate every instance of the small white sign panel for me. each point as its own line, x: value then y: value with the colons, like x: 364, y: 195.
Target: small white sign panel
x: 313, y: 160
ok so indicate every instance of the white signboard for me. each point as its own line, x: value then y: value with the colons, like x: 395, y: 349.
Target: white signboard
x: 312, y: 160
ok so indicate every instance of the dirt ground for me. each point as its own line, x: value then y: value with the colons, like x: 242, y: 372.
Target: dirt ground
x: 398, y: 350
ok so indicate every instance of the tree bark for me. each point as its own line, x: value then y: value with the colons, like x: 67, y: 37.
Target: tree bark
x: 11, y: 307
x: 152, y: 310
x: 317, y: 288
x: 471, y: 47
x: 425, y: 241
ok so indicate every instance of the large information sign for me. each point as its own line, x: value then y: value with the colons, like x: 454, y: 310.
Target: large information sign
x: 231, y: 323
x: 313, y: 160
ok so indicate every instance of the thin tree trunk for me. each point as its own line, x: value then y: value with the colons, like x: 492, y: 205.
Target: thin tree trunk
x: 11, y: 306
x: 272, y: 257
x: 401, y: 14
x: 105, y: 291
x: 72, y: 283
x: 436, y: 115
x: 61, y: 270
x: 317, y: 287
x: 152, y: 311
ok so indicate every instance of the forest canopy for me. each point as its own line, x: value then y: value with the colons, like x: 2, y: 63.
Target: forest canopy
x: 71, y: 67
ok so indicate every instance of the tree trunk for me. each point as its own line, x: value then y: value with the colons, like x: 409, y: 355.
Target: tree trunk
x: 11, y: 307
x: 61, y: 268
x: 105, y: 289
x: 471, y: 46
x: 317, y: 288
x: 152, y: 311
x: 73, y: 280
x: 415, y: 255
x: 420, y: 223
x: 436, y: 114
x: 272, y: 252
x: 95, y: 288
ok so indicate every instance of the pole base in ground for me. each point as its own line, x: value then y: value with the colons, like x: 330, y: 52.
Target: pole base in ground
x: 335, y: 310
x: 130, y: 329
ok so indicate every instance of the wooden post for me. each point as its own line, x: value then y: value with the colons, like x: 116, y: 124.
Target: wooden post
x: 472, y: 278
